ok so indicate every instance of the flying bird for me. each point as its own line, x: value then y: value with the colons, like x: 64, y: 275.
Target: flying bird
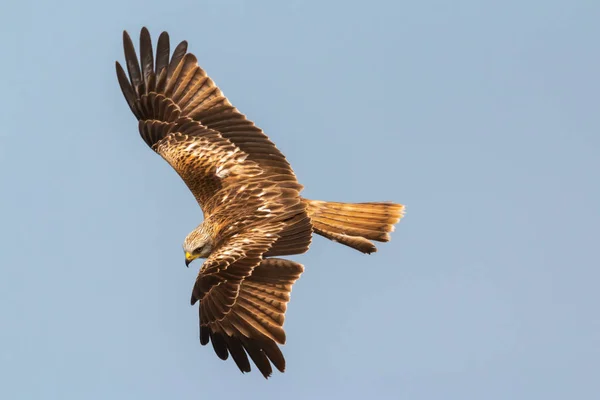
x: 250, y: 198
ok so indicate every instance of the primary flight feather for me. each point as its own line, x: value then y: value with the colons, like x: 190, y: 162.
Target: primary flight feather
x: 250, y: 198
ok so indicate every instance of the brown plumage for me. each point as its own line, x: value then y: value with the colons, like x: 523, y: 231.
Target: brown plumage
x: 250, y: 198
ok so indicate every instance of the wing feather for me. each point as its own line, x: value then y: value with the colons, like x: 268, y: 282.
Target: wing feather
x: 177, y: 103
x: 133, y: 66
x: 147, y: 59
x: 163, y: 50
x: 258, y: 329
x: 197, y: 96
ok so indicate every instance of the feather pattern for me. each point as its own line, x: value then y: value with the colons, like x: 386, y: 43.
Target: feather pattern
x: 250, y: 198
x: 255, y: 322
x: 355, y: 224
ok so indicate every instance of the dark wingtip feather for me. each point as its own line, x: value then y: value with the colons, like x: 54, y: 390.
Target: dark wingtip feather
x: 178, y: 54
x: 146, y: 56
x: 275, y: 355
x: 238, y: 354
x: 133, y: 67
x: 219, y: 345
x: 258, y: 356
x: 204, y: 335
x: 126, y: 89
x: 163, y: 51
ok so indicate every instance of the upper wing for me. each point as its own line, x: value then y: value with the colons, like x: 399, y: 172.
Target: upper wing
x: 183, y: 89
x: 214, y: 148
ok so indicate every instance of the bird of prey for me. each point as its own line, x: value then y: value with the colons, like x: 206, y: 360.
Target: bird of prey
x: 250, y: 198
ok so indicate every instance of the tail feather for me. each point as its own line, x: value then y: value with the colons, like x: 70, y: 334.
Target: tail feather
x: 356, y: 242
x: 355, y: 224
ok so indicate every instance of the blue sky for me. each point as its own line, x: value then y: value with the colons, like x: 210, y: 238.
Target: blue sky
x: 481, y: 117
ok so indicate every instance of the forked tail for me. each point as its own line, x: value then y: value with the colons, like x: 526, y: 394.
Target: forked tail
x: 355, y: 224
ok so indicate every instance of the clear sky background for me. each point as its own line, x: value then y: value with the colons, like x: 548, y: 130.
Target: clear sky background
x: 481, y: 116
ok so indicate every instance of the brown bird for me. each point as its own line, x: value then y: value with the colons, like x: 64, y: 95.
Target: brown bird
x: 250, y: 199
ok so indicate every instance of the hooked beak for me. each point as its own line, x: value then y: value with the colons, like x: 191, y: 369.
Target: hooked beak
x: 188, y: 259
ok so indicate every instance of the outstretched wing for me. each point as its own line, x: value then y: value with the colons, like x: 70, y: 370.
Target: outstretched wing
x: 260, y: 306
x: 243, y: 300
x: 186, y: 119
x: 205, y: 160
x: 184, y: 89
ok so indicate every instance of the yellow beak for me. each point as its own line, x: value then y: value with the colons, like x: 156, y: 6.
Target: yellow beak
x: 189, y: 258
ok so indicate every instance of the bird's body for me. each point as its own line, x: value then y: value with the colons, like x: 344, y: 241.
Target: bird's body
x: 250, y: 197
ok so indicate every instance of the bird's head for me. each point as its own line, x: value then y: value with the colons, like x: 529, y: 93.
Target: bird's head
x: 198, y: 244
